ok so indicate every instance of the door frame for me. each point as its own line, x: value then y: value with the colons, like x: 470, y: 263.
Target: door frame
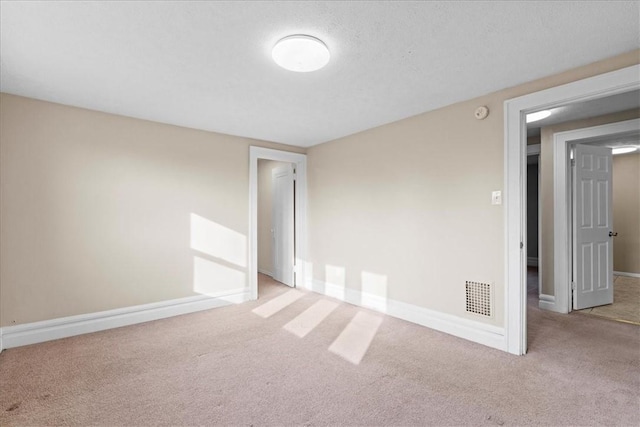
x: 562, y: 193
x: 300, y: 160
x: 515, y: 131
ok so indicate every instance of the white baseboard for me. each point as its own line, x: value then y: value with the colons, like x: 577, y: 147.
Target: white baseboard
x: 548, y: 302
x: 532, y: 261
x: 265, y: 272
x: 623, y: 273
x: 482, y: 333
x: 47, y: 330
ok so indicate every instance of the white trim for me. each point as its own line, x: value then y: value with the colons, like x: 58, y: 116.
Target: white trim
x: 265, y: 272
x: 548, y: 302
x: 300, y: 161
x: 624, y: 273
x: 540, y: 262
x: 47, y: 330
x: 532, y: 261
x: 533, y: 150
x: 562, y: 202
x: 479, y: 332
x: 620, y: 81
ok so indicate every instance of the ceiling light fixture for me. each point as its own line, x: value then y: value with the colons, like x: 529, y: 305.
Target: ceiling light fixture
x: 534, y: 117
x: 301, y: 53
x: 623, y: 150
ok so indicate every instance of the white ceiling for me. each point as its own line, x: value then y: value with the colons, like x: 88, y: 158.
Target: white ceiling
x: 207, y: 65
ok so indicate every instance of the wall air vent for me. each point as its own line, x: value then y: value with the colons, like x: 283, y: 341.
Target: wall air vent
x: 479, y: 298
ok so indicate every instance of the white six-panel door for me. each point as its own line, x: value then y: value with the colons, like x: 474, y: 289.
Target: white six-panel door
x: 592, y: 227
x: 283, y: 224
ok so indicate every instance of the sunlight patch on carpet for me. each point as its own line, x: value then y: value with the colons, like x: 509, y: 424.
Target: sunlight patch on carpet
x: 273, y: 306
x: 354, y: 341
x: 306, y: 321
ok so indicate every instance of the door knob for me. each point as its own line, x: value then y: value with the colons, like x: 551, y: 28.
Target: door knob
x: 612, y: 234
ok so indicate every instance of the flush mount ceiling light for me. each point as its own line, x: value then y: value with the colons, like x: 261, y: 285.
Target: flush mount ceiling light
x: 301, y: 53
x: 534, y: 117
x: 623, y: 150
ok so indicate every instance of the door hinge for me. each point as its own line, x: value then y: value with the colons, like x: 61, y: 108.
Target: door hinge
x: 295, y: 175
x: 573, y: 286
x: 573, y: 162
x: 521, y: 245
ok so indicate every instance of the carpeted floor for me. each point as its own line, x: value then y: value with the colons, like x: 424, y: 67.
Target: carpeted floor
x: 626, y: 301
x: 237, y: 366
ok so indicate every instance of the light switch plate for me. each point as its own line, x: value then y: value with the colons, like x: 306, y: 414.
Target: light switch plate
x: 496, y: 198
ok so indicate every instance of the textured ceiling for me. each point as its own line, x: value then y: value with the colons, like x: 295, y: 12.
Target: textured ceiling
x: 207, y: 65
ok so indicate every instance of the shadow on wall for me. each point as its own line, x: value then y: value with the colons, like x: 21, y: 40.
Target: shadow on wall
x: 220, y: 268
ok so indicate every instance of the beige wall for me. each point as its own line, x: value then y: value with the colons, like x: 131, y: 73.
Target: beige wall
x: 626, y: 213
x: 410, y: 202
x: 98, y: 211
x: 533, y: 140
x: 265, y: 242
x: 547, y: 183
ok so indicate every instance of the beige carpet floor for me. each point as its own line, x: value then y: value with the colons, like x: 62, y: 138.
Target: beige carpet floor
x: 287, y: 363
x: 626, y: 301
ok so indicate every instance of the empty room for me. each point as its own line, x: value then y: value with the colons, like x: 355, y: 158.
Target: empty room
x: 319, y: 213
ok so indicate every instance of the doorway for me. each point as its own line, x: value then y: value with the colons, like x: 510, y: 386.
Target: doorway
x: 612, y: 133
x: 296, y: 237
x: 612, y: 287
x: 616, y: 82
x: 592, y: 281
x: 276, y: 220
x: 624, y: 237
